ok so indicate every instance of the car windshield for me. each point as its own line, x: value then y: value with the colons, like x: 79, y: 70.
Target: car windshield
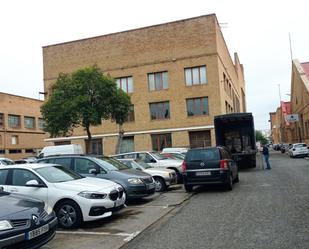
x: 142, y: 164
x: 202, y: 155
x: 7, y: 162
x: 158, y: 156
x: 111, y: 164
x: 56, y: 174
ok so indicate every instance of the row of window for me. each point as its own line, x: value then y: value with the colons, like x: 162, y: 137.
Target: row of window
x: 161, y: 110
x: 159, y: 80
x: 230, y: 92
x: 14, y: 121
x: 17, y: 151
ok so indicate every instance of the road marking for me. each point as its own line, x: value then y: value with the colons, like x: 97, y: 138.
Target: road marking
x: 148, y: 206
x: 132, y: 236
x: 95, y: 233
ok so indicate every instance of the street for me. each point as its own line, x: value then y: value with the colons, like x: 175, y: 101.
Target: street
x: 267, y: 209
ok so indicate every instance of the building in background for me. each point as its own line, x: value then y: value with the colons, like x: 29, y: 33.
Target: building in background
x: 21, y: 126
x: 179, y: 76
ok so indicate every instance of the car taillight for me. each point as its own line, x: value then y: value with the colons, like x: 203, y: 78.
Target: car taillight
x: 184, y: 166
x: 224, y: 165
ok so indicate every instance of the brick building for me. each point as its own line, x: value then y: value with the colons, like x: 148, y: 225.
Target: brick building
x: 179, y: 76
x: 21, y: 127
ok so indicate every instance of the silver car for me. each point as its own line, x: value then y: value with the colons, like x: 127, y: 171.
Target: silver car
x: 162, y: 176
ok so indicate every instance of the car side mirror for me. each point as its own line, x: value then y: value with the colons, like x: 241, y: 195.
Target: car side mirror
x: 153, y: 160
x: 34, y: 183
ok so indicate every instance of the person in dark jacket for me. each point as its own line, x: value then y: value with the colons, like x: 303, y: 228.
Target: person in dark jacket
x: 265, y: 153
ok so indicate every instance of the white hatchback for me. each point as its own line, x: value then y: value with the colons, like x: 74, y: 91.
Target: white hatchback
x: 299, y: 149
x: 73, y: 197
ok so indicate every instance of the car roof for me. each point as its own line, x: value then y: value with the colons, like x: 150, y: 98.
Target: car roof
x: 134, y: 152
x: 29, y: 166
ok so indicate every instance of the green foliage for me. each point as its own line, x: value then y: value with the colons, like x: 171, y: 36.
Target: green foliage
x: 260, y: 137
x: 83, y: 98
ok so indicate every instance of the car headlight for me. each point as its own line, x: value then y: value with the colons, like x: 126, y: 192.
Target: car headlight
x: 92, y: 195
x: 135, y: 181
x: 5, y: 225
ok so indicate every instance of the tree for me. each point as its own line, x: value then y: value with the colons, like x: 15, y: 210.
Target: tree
x: 83, y: 98
x: 121, y: 105
x: 260, y: 137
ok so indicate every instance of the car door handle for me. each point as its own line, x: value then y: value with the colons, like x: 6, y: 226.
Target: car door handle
x: 13, y: 190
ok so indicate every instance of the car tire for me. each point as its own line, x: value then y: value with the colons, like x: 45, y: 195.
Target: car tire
x: 69, y: 214
x: 160, y: 184
x: 188, y: 188
x: 229, y: 184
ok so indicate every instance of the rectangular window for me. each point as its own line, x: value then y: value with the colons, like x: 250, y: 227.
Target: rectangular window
x: 14, y: 121
x: 41, y: 123
x: 32, y: 151
x: 127, y: 145
x: 125, y: 84
x: 161, y: 141
x: 157, y: 81
x: 14, y: 151
x: 29, y: 122
x: 196, y: 75
x: 96, y: 147
x: 2, y: 151
x: 197, y: 106
x: 160, y: 110
x: 14, y: 139
x: 131, y: 117
x: 1, y: 120
x: 62, y: 142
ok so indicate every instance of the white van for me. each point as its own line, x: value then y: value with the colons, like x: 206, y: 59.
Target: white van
x: 61, y: 150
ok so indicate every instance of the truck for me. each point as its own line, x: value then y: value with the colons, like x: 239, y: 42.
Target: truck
x: 61, y: 150
x: 236, y: 132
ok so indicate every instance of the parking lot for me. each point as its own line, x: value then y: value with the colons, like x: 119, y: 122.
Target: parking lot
x: 115, y: 231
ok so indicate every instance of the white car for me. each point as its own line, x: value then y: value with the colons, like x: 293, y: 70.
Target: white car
x: 73, y: 197
x: 163, y: 177
x: 298, y: 149
x: 154, y: 159
x: 6, y: 161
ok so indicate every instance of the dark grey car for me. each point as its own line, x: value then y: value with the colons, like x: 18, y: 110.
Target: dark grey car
x: 136, y: 184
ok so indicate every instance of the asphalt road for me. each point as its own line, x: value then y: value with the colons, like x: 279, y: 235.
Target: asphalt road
x: 266, y: 209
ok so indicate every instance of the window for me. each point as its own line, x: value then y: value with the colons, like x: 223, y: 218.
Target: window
x: 144, y: 157
x: 82, y: 166
x: 14, y: 121
x: 161, y: 141
x: 127, y: 144
x: 197, y: 106
x: 131, y: 117
x: 22, y: 176
x: 14, y: 151
x: 199, y: 139
x: 62, y: 143
x: 157, y: 81
x: 41, y: 123
x: 3, y: 176
x: 29, y: 122
x: 195, y: 75
x: 65, y: 162
x: 30, y: 151
x: 125, y: 83
x: 160, y: 110
x: 2, y: 151
x: 14, y: 139
x: 96, y: 147
x: 1, y: 120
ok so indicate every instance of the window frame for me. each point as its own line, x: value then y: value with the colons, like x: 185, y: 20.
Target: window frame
x: 18, y: 117
x: 28, y: 118
x: 160, y: 117
x: 160, y: 83
x: 126, y: 89
x: 201, y: 105
x: 192, y: 83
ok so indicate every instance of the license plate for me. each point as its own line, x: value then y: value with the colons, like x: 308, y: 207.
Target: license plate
x: 203, y: 173
x: 37, y: 232
x: 150, y: 186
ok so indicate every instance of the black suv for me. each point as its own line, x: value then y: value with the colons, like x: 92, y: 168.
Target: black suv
x: 136, y: 184
x: 211, y: 165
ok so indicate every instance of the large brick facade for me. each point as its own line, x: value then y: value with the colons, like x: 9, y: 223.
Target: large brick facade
x: 20, y: 133
x: 170, y: 47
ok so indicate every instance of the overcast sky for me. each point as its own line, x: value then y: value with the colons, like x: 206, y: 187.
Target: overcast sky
x: 258, y: 30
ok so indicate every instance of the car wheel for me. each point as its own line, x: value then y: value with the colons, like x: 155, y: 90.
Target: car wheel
x: 69, y: 214
x: 188, y: 188
x: 229, y: 184
x: 160, y: 184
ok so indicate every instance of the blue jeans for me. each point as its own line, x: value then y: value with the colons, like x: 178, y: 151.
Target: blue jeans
x: 266, y: 158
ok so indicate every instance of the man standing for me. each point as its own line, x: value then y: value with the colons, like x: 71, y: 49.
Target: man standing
x: 265, y: 153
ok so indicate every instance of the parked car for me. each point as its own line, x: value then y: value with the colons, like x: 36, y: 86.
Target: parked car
x: 175, y: 150
x: 298, y: 150
x: 24, y: 223
x: 73, y: 197
x: 162, y: 176
x: 61, y: 150
x: 136, y: 184
x: 174, y: 155
x: 154, y: 159
x: 211, y: 165
x: 6, y: 161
